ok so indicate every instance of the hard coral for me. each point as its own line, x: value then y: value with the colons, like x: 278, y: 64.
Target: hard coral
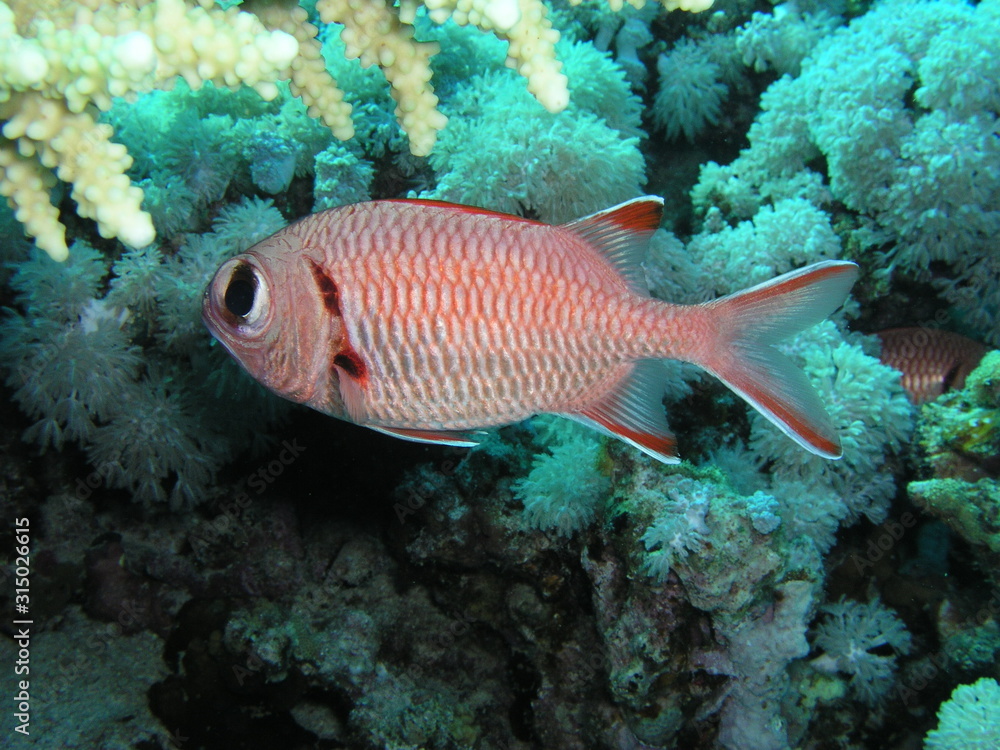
x: 57, y: 65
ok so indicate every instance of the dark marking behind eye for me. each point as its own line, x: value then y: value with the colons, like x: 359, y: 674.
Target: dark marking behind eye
x: 350, y: 362
x: 327, y: 289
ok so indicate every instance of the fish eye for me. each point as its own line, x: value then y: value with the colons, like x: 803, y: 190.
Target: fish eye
x: 240, y: 294
x: 245, y: 296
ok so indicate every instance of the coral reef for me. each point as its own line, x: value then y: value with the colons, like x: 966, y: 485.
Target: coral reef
x: 502, y: 152
x: 565, y: 485
x: 690, y: 96
x: 88, y: 662
x: 960, y: 437
x: 60, y: 62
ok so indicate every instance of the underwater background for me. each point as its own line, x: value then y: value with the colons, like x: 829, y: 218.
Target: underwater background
x: 191, y: 562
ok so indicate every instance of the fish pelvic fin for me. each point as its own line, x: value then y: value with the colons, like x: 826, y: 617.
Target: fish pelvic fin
x: 633, y: 412
x: 750, y: 322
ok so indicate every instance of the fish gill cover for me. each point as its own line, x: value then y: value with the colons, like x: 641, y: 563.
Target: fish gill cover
x: 213, y: 567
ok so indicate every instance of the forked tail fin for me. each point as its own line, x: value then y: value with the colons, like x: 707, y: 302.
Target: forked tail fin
x: 749, y: 322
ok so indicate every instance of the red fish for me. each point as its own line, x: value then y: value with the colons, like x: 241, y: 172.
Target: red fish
x: 932, y: 361
x: 431, y: 321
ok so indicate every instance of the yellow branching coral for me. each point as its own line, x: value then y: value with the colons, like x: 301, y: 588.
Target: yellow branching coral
x: 692, y: 6
x: 308, y: 77
x: 374, y: 33
x: 61, y: 62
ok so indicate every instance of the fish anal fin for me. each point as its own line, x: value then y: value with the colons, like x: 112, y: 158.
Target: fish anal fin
x: 633, y: 412
x: 459, y: 438
x: 621, y: 234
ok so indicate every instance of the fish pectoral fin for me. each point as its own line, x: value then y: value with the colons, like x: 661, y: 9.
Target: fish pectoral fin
x: 352, y: 375
x: 459, y: 438
x: 353, y: 396
x: 633, y: 412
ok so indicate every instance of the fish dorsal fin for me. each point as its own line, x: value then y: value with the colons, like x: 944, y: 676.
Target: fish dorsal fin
x: 621, y: 234
x: 633, y: 412
x: 457, y: 208
x: 460, y: 438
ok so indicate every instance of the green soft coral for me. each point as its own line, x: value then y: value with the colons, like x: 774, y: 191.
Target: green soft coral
x: 130, y: 375
x: 874, y: 420
x: 969, y: 720
x: 960, y: 431
x: 566, y: 484
x: 899, y: 108
x: 503, y: 151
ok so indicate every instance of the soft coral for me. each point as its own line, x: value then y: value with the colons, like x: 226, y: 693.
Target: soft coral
x: 851, y: 638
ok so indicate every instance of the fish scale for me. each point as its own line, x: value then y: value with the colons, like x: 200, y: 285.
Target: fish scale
x: 478, y: 319
x: 482, y: 334
x: 932, y: 361
x: 431, y: 321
